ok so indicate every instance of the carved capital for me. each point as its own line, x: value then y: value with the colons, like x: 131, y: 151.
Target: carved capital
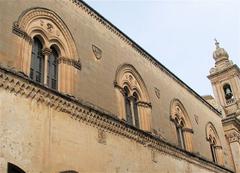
x: 144, y: 104
x: 233, y: 136
x: 46, y: 51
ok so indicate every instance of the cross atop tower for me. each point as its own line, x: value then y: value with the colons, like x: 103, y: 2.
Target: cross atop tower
x: 216, y: 43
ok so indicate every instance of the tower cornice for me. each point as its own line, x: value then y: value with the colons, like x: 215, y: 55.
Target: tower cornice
x: 217, y: 72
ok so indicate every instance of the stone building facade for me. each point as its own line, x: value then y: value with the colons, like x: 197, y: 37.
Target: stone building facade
x: 78, y: 95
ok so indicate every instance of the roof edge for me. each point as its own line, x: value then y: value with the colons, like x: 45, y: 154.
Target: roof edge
x: 140, y: 50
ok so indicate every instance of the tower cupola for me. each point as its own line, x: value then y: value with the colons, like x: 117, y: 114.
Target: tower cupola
x: 220, y: 55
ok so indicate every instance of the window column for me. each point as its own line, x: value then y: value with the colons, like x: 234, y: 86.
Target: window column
x: 46, y: 52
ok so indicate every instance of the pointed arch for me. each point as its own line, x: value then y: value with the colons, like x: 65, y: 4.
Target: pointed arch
x: 46, y: 24
x: 128, y: 76
x: 178, y: 110
x: 214, y: 143
x: 184, y: 131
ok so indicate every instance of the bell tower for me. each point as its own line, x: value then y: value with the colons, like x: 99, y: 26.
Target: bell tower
x: 225, y: 80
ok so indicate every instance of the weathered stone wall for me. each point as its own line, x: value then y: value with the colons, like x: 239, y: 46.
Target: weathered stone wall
x: 94, y: 83
x: 42, y: 131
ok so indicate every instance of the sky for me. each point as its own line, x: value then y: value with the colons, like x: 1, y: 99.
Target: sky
x: 179, y: 33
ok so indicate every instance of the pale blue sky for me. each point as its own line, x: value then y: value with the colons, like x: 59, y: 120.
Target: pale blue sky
x: 179, y: 33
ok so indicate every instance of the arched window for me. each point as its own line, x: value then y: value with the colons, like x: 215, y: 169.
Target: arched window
x: 228, y: 92
x: 183, y: 125
x: 214, y: 144
x: 37, y: 61
x: 52, y: 77
x: 134, y: 105
x: 54, y: 60
x: 128, y: 106
x: 14, y: 169
x: 213, y: 149
x: 179, y: 127
x: 135, y: 109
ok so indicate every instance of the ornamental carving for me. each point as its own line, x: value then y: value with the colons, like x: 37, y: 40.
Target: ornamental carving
x: 233, y: 136
x: 85, y: 8
x: 211, y: 134
x: 153, y: 155
x: 52, y: 30
x: 97, y: 52
x: 102, y: 136
x: 16, y: 84
x: 196, y: 118
x: 128, y: 80
x: 178, y: 112
x: 72, y: 62
x: 157, y: 92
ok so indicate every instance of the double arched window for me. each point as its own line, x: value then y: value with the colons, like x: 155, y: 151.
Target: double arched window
x: 179, y: 117
x: 180, y: 132
x: 39, y: 71
x: 134, y: 105
x: 47, y: 49
x: 215, y: 147
x: 131, y: 107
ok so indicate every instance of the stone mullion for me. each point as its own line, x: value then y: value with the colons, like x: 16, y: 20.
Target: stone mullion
x: 131, y: 98
x: 46, y: 52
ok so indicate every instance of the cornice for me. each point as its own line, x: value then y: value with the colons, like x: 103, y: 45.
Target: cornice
x: 99, y: 18
x: 224, y: 70
x: 21, y: 86
x: 231, y: 119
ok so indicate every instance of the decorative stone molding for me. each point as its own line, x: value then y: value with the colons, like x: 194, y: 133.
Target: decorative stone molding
x: 211, y: 133
x: 75, y: 63
x: 19, y: 32
x: 20, y: 86
x: 233, y: 136
x: 188, y: 130
x: 144, y: 104
x: 49, y: 28
x: 157, y: 92
x: 153, y: 156
x: 196, y: 118
x: 46, y: 51
x: 128, y: 77
x: 91, y: 12
x: 179, y: 116
x: 102, y: 136
x: 48, y: 20
x: 213, y: 139
x: 97, y: 52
